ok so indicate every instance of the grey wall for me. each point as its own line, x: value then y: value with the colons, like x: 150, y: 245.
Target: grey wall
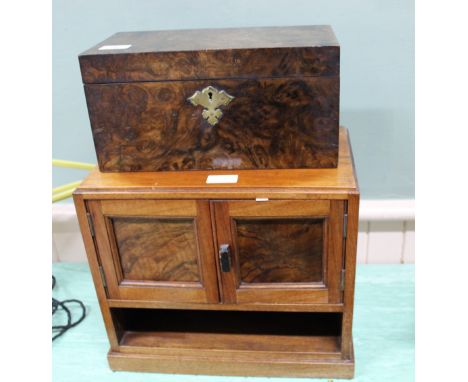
x: 377, y: 70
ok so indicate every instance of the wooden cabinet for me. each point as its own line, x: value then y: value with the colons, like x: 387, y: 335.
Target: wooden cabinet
x: 262, y: 270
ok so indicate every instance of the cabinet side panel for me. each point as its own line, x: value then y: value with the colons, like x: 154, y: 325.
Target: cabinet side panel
x: 350, y: 266
x: 94, y: 267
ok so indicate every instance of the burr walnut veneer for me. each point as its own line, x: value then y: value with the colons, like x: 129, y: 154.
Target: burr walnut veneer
x: 248, y: 98
x: 250, y: 278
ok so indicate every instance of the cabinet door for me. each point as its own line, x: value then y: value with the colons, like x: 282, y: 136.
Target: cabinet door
x: 280, y: 252
x: 159, y: 250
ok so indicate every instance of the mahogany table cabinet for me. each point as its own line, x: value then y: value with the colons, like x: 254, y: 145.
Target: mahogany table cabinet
x: 248, y: 278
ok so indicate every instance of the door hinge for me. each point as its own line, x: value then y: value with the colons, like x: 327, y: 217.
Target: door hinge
x: 103, y: 276
x: 343, y: 275
x: 90, y: 223
x: 345, y: 226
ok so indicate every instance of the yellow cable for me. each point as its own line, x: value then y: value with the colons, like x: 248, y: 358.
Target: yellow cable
x: 62, y: 195
x: 71, y: 164
x: 66, y: 187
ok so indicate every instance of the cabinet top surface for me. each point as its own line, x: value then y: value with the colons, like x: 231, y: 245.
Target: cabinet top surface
x: 217, y: 39
x: 177, y: 183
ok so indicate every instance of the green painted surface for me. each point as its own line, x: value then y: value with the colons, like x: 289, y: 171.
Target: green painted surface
x: 377, y: 71
x: 383, y: 331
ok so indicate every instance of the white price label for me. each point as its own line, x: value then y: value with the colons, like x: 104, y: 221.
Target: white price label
x: 114, y: 47
x: 213, y: 179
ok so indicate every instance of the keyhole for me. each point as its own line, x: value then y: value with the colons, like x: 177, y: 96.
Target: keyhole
x: 210, y: 94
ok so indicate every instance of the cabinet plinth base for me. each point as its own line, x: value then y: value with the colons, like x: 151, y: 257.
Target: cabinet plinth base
x: 211, y: 361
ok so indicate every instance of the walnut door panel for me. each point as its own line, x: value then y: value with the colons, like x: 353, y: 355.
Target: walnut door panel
x: 280, y: 251
x: 156, y: 250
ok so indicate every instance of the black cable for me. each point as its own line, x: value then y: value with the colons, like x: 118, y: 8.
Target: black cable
x: 56, y: 304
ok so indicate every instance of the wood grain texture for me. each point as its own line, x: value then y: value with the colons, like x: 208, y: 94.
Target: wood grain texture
x: 207, y: 250
x: 252, y: 63
x: 334, y: 244
x: 248, y: 295
x: 241, y: 342
x: 280, y: 250
x: 286, y: 184
x: 232, y: 363
x: 170, y: 208
x: 157, y: 249
x: 214, y: 53
x: 104, y: 247
x: 228, y: 281
x: 204, y: 290
x: 270, y: 344
x: 184, y: 346
x: 284, y: 306
x: 113, y: 331
x: 350, y: 267
x: 273, y: 123
x: 324, y: 290
x: 278, y: 208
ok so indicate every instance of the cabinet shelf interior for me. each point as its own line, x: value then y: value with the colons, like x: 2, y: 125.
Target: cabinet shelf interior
x: 233, y: 330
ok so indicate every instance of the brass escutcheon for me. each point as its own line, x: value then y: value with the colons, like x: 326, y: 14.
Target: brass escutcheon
x: 211, y: 99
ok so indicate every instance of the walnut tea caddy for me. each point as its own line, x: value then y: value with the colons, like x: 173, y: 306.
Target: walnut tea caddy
x: 250, y: 277
x: 214, y: 99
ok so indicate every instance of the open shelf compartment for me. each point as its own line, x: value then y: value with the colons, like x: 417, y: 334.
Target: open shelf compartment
x: 284, y: 332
